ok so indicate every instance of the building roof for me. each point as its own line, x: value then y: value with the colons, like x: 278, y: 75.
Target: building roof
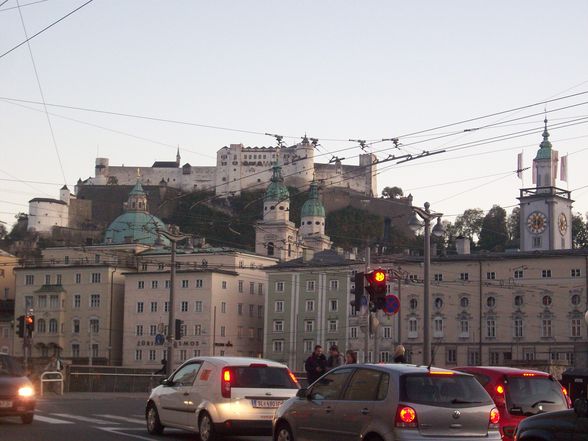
x: 5, y: 254
x: 277, y: 191
x: 51, y: 201
x: 186, y: 271
x: 321, y: 259
x: 135, y: 227
x: 313, y: 207
x: 544, y: 151
x: 138, y: 190
x: 165, y: 164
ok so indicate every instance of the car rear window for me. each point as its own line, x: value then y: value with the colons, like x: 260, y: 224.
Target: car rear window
x: 443, y: 390
x: 262, y: 377
x: 9, y: 367
x: 532, y: 395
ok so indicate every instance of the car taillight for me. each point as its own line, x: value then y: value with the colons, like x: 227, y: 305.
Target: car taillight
x: 406, y: 417
x: 226, y: 383
x: 568, y: 399
x: 494, y: 417
x: 500, y: 389
x: 292, y: 377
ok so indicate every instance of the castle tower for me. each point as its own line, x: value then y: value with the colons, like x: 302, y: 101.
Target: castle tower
x: 312, y: 222
x: 546, y: 211
x: 276, y: 235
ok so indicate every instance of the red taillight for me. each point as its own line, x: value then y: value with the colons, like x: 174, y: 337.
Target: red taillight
x: 406, y: 417
x: 500, y: 389
x: 494, y: 416
x: 567, y: 396
x: 226, y: 383
x: 292, y: 377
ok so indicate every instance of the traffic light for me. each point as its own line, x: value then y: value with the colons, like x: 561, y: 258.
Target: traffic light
x: 20, y: 326
x: 377, y: 286
x: 30, y: 324
x: 358, y: 291
x: 178, y: 329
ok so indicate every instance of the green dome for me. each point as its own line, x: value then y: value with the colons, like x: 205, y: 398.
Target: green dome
x: 313, y: 206
x: 544, y: 151
x: 137, y: 189
x: 135, y: 227
x: 277, y: 191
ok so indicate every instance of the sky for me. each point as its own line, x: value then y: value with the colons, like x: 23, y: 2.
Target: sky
x: 335, y: 70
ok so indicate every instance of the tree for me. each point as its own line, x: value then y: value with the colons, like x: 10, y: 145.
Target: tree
x: 579, y: 231
x: 352, y: 227
x: 513, y: 225
x: 469, y: 223
x: 494, y: 234
x: 392, y: 192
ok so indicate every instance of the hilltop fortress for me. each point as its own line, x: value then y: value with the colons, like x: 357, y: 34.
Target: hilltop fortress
x: 245, y: 168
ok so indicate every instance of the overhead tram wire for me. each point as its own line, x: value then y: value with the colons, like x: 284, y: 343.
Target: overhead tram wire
x: 41, y: 93
x: 254, y: 132
x: 22, y: 6
x: 44, y: 29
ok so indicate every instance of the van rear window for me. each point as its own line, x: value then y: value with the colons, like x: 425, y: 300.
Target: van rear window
x: 262, y: 377
x: 445, y: 390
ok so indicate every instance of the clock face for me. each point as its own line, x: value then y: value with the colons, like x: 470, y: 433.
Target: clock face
x: 536, y: 222
x: 562, y: 223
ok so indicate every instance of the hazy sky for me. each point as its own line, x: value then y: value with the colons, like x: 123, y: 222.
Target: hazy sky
x: 333, y: 69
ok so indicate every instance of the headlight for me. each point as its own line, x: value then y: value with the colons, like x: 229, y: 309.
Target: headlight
x: 26, y: 392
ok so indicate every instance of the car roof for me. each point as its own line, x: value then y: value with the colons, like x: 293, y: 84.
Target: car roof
x: 237, y: 361
x: 501, y: 370
x: 402, y: 368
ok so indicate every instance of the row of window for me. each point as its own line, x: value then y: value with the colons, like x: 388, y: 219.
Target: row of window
x: 332, y: 326
x: 546, y: 328
x: 52, y: 326
x: 197, y: 330
x: 309, y: 305
x: 516, y: 274
x: 198, y: 307
x: 310, y: 285
x: 464, y: 302
x: 94, y: 278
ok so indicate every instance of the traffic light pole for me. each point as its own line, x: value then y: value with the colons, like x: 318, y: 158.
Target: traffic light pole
x: 366, y: 348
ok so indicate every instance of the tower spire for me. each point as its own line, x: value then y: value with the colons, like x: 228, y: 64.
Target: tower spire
x: 178, y: 157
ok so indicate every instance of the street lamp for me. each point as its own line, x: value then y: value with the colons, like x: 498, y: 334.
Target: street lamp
x: 174, y: 237
x: 415, y: 225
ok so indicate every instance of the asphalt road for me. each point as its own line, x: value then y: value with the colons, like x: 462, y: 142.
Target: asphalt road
x: 92, y: 417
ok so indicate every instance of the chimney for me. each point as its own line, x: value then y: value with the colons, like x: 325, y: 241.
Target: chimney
x: 307, y: 254
x: 462, y: 245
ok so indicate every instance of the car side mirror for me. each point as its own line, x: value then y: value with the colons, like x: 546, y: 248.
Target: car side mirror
x: 167, y: 382
x: 581, y: 407
x: 302, y: 393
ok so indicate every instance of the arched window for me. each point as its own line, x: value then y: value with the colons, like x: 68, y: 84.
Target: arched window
x: 270, y: 249
x: 53, y: 326
x: 41, y: 326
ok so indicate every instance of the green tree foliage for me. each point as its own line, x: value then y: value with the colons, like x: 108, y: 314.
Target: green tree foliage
x: 513, y: 224
x: 579, y: 231
x: 469, y: 224
x: 392, y: 192
x: 351, y: 227
x: 494, y: 233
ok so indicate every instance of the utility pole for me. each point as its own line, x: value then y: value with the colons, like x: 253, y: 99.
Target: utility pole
x: 368, y: 323
x: 174, y: 237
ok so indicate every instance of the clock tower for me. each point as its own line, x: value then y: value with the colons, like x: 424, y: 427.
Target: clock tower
x: 546, y: 210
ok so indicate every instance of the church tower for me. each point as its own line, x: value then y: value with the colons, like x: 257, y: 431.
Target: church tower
x: 276, y: 235
x: 546, y: 210
x: 178, y: 157
x: 312, y: 222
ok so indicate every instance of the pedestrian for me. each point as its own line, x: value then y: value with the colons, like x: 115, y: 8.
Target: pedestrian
x: 315, y: 365
x: 350, y: 357
x: 54, y: 365
x: 335, y: 358
x: 399, y: 354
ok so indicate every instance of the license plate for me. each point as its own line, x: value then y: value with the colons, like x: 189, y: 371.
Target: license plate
x: 266, y: 404
x: 5, y: 403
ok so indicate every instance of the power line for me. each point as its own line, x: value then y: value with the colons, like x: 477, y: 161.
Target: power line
x: 41, y: 92
x: 21, y: 6
x: 44, y: 29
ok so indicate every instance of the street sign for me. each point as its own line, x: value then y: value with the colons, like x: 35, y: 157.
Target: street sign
x: 159, y: 339
x: 392, y: 304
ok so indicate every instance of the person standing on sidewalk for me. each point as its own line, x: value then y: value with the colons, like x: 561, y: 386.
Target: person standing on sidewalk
x: 315, y: 365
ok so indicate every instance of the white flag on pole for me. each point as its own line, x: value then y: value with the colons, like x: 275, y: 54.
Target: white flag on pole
x: 520, y: 165
x: 563, y: 172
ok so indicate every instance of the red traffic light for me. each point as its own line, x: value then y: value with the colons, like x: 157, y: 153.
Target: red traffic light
x: 377, y: 281
x: 379, y: 276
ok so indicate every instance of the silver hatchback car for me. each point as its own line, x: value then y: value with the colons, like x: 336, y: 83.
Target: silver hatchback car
x: 389, y: 402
